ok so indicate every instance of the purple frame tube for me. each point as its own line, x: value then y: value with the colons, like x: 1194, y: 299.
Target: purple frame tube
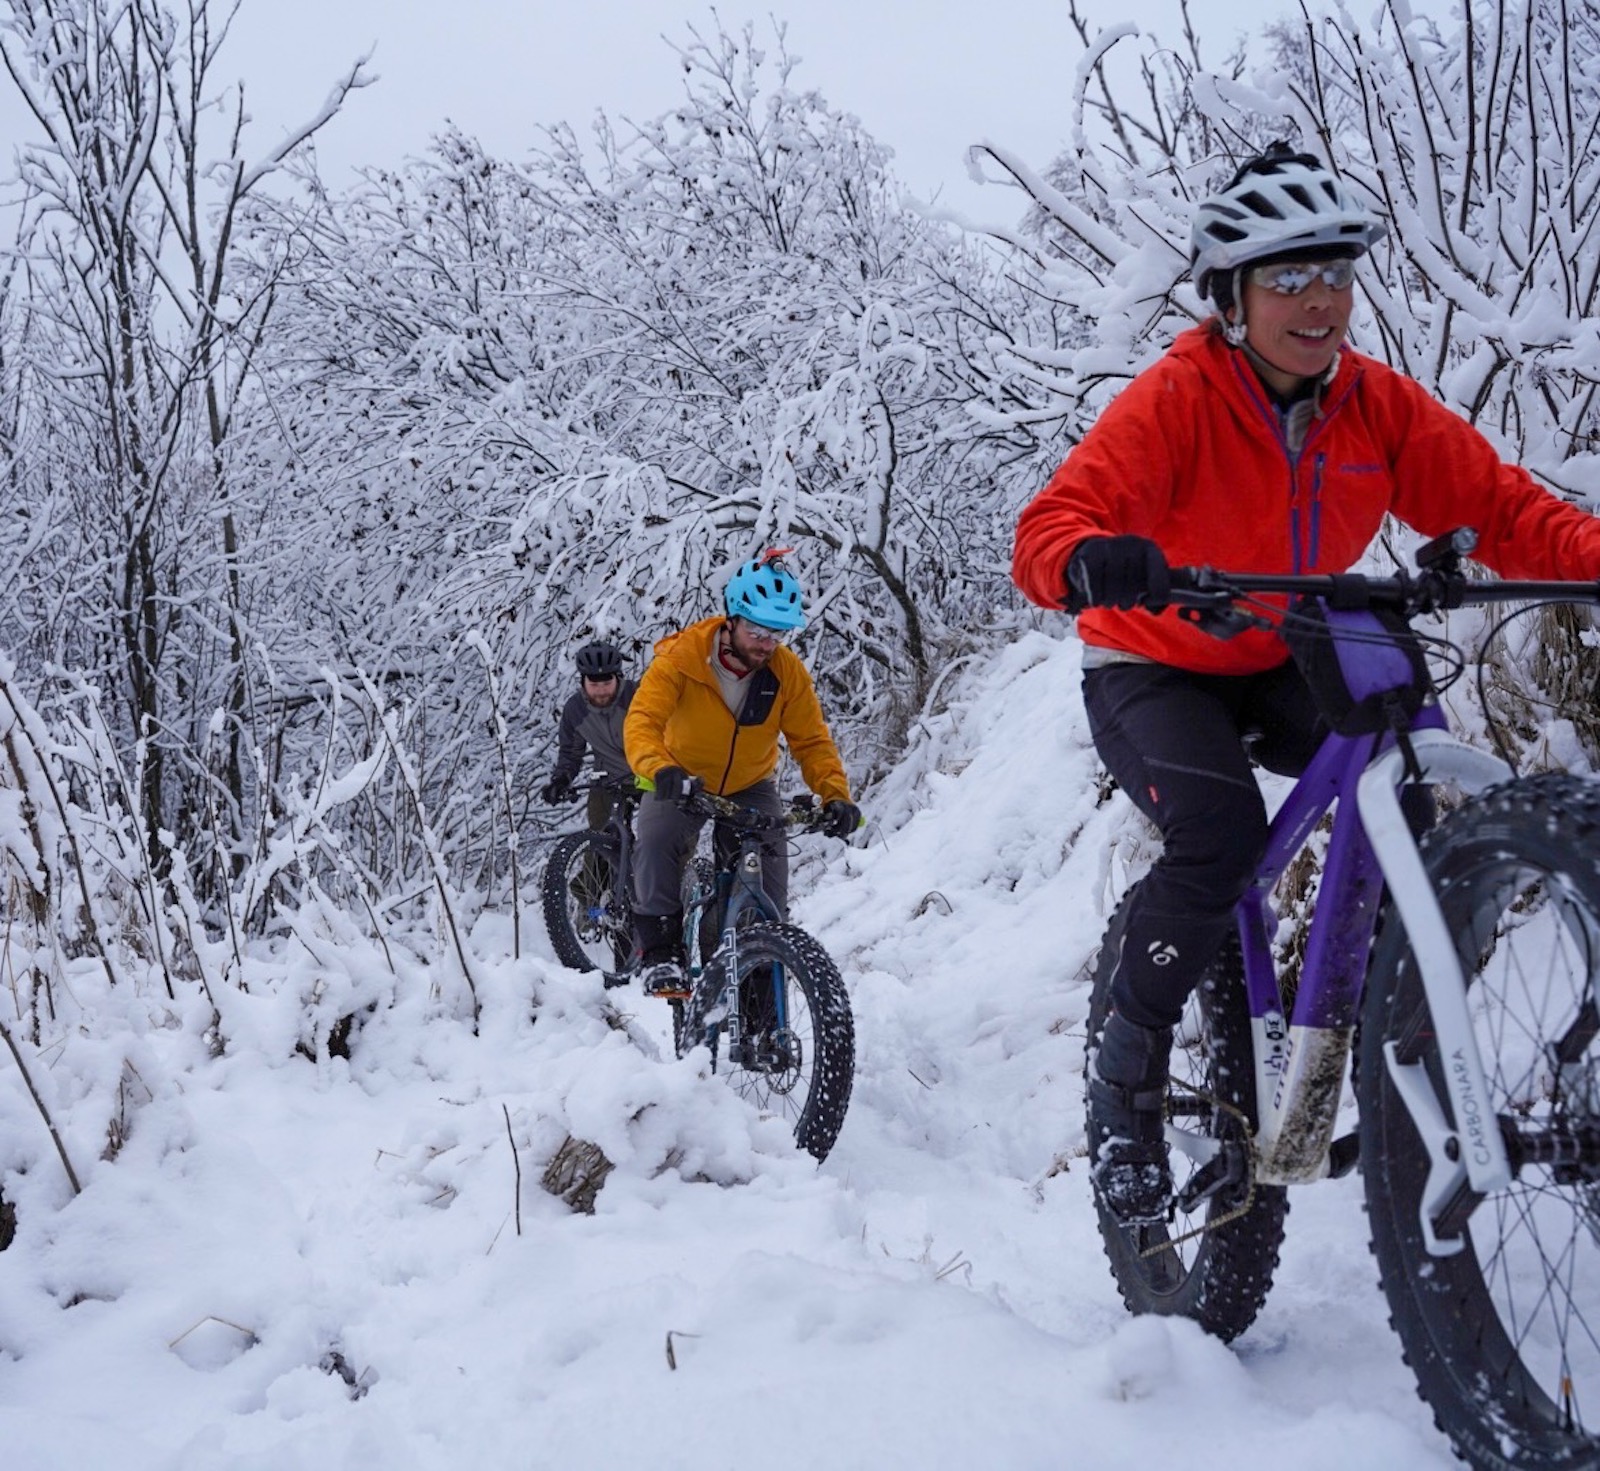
x: 1334, y: 969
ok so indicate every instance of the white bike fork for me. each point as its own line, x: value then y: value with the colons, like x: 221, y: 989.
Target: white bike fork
x: 1463, y: 1144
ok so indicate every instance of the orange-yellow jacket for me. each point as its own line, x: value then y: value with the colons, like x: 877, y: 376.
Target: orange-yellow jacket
x: 1192, y: 455
x: 679, y: 718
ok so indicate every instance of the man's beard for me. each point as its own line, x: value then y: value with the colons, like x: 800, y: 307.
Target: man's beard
x: 748, y: 658
x: 752, y: 659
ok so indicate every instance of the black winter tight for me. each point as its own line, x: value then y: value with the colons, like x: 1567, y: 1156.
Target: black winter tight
x: 1175, y: 742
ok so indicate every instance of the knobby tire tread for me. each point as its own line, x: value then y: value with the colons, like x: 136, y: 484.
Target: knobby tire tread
x: 830, y: 1059
x: 1220, y: 1279
x: 1492, y: 1405
x: 555, y: 894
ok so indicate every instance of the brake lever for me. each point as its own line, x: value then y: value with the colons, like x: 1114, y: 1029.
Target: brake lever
x: 1218, y: 616
x: 1204, y: 599
x: 1224, y: 623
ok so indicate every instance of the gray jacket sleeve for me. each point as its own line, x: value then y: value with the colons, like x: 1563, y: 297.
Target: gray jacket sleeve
x: 569, y: 740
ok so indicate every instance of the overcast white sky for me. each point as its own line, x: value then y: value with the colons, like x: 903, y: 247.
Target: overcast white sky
x: 926, y: 77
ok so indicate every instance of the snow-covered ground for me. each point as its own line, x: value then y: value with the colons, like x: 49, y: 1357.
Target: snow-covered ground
x: 329, y: 1264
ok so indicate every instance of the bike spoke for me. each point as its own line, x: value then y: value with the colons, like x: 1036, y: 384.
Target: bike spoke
x: 799, y: 1071
x: 1504, y: 1334
x: 1535, y: 1002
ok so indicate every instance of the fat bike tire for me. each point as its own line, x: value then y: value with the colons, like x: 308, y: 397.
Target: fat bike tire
x: 809, y: 1084
x: 1503, y: 1333
x: 1214, y: 1263
x: 589, y: 922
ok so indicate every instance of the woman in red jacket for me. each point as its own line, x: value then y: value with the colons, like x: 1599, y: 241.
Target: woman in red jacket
x: 1259, y: 443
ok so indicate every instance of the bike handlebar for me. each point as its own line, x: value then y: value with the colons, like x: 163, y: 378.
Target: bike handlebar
x: 620, y: 786
x: 623, y: 786
x: 1207, y: 597
x: 1404, y: 592
x: 800, y: 813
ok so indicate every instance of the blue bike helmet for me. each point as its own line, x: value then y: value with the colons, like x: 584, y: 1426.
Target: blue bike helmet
x: 766, y: 592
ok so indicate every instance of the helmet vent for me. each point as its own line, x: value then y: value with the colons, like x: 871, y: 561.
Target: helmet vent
x: 1259, y: 204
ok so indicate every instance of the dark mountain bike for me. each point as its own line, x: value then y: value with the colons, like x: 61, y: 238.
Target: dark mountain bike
x: 1471, y: 963
x: 764, y: 998
x: 586, y: 888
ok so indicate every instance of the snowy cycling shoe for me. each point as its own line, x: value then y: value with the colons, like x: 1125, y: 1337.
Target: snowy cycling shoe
x: 661, y: 955
x: 1127, y: 1091
x: 664, y: 978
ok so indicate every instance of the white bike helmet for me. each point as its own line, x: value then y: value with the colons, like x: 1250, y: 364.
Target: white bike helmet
x: 1279, y: 204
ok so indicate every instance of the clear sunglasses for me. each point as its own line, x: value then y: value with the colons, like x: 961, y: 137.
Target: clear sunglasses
x: 762, y: 635
x: 1291, y: 277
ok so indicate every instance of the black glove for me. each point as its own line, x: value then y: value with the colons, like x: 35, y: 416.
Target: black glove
x: 556, y: 791
x: 673, y: 784
x: 840, y: 818
x: 1117, y: 572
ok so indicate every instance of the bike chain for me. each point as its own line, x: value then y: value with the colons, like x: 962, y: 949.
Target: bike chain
x: 1243, y: 1208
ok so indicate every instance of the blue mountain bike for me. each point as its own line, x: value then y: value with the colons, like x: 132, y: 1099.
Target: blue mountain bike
x: 1462, y: 974
x: 762, y: 995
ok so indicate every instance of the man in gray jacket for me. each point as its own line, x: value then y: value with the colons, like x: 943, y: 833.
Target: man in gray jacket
x: 592, y: 719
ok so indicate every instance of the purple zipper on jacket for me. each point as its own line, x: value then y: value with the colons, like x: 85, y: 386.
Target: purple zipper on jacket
x: 1256, y: 394
x: 1317, y: 465
x: 1274, y: 421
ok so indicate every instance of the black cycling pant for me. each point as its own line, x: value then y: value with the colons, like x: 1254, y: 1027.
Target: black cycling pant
x: 1181, y: 746
x: 1175, y: 743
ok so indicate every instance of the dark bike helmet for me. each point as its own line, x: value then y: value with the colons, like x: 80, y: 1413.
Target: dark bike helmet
x: 1279, y: 204
x: 765, y: 591
x: 599, y: 660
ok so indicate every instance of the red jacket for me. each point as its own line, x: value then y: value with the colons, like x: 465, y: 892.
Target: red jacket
x: 1192, y: 455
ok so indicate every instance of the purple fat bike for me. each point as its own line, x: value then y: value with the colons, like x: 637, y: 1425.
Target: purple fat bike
x: 1454, y: 982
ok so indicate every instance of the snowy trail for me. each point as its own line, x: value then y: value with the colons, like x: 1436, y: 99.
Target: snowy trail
x: 934, y: 1296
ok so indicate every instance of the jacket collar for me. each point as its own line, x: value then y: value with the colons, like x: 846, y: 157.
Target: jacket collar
x: 1205, y: 349
x: 1318, y: 388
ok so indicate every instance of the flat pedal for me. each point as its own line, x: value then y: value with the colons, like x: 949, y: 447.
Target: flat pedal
x: 611, y: 979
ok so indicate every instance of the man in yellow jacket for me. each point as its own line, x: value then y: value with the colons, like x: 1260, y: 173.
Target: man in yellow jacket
x: 707, y: 714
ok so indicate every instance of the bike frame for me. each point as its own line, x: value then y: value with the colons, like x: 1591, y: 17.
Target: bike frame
x: 1471, y: 1148
x: 1300, y: 1059
x: 614, y: 841
x: 745, y: 891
